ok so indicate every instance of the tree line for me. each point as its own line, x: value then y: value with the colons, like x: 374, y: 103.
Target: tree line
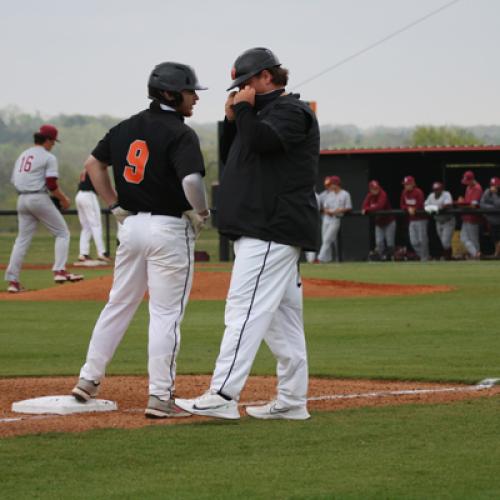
x: 80, y: 133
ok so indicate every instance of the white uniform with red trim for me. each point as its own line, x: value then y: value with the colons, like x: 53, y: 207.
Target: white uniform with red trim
x: 29, y: 175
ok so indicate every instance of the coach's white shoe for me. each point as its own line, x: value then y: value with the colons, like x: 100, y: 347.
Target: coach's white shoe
x: 211, y: 404
x: 275, y: 410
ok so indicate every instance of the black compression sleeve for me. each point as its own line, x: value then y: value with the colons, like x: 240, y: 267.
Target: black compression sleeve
x: 257, y: 136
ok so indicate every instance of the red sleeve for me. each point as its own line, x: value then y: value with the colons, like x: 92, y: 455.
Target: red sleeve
x: 475, y: 196
x: 402, y: 203
x: 366, y: 204
x: 419, y: 195
x: 51, y: 183
x: 381, y: 201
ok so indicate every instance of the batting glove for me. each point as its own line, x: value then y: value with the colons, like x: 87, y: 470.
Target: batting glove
x: 119, y: 213
x: 198, y: 222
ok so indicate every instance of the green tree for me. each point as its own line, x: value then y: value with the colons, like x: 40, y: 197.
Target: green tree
x: 443, y: 136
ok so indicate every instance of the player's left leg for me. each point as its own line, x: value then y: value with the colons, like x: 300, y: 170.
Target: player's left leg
x: 170, y: 266
x: 82, y: 207
x: 424, y: 240
x: 95, y: 224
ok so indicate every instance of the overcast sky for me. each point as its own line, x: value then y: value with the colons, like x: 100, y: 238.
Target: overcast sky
x: 94, y: 57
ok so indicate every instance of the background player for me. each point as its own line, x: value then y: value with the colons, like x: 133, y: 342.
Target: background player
x: 471, y: 223
x: 266, y: 203
x: 385, y: 225
x: 412, y: 199
x: 334, y: 203
x: 35, y: 173
x: 158, y: 169
x: 89, y: 214
x: 438, y: 200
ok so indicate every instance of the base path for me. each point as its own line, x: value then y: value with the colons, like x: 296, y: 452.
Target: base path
x: 131, y: 395
x: 213, y: 285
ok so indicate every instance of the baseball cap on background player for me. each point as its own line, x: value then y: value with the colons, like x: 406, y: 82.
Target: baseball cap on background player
x: 333, y: 180
x: 374, y: 184
x: 409, y: 179
x: 495, y: 182
x: 468, y: 177
x: 49, y: 132
x: 250, y: 63
x: 437, y: 186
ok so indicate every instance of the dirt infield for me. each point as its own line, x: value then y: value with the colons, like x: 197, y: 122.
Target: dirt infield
x: 131, y: 395
x: 214, y: 285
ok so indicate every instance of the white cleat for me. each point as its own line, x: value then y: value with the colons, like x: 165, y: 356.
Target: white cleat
x: 275, y: 410
x: 211, y: 404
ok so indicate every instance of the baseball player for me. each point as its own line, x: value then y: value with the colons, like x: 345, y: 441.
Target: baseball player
x: 385, y: 225
x: 437, y: 201
x: 334, y: 203
x: 160, y: 204
x: 491, y: 200
x: 34, y: 175
x: 270, y: 147
x: 412, y: 199
x: 89, y: 213
x: 469, y: 234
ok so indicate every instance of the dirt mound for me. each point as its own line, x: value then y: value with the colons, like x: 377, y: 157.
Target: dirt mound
x: 131, y: 395
x: 214, y: 285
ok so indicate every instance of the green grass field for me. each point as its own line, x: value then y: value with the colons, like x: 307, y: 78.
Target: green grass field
x: 436, y: 451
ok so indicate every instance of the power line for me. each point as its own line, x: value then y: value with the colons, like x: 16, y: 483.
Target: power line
x: 377, y: 43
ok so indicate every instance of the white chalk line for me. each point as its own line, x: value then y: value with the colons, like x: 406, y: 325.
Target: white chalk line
x: 481, y: 386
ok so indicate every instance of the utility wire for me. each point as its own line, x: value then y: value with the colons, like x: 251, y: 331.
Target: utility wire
x: 377, y: 43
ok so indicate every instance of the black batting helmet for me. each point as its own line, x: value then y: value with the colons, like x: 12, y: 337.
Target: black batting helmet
x: 250, y: 63
x: 174, y: 77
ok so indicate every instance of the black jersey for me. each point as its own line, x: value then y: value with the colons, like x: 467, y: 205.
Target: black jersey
x: 151, y: 153
x: 86, y: 184
x: 267, y: 188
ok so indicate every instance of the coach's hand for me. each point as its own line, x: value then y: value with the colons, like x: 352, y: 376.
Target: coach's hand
x: 229, y: 106
x: 246, y: 94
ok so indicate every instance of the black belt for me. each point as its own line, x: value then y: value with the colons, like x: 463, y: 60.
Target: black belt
x: 154, y: 212
x: 33, y: 192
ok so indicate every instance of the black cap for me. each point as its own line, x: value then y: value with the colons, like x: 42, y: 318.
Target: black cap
x: 250, y: 63
x: 174, y: 77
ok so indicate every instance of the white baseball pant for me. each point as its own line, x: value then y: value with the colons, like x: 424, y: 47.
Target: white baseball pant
x: 156, y: 254
x: 89, y: 213
x: 385, y: 237
x: 329, y: 232
x: 469, y: 236
x: 419, y: 238
x: 445, y: 232
x: 31, y: 209
x: 264, y: 303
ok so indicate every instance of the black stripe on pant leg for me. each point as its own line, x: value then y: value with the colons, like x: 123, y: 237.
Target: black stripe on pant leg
x: 248, y: 316
x: 181, y: 310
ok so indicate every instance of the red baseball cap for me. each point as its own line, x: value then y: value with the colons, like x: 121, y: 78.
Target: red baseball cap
x: 49, y: 131
x: 335, y: 179
x: 468, y: 176
x: 409, y: 179
x: 373, y: 184
x: 495, y: 181
x: 437, y: 186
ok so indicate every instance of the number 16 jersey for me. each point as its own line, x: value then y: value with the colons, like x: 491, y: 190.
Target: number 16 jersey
x: 32, y: 168
x: 151, y: 153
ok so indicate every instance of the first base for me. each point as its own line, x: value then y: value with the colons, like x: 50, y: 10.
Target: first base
x: 62, y: 405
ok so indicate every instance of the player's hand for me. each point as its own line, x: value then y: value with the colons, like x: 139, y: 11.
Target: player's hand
x: 363, y: 212
x: 229, y: 106
x: 65, y: 203
x: 247, y: 94
x: 198, y: 220
x: 120, y: 214
x: 411, y: 211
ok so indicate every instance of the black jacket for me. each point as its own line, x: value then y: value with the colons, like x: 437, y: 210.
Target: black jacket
x: 271, y: 163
